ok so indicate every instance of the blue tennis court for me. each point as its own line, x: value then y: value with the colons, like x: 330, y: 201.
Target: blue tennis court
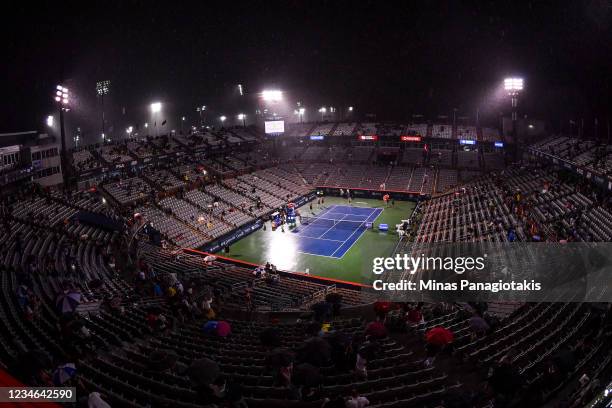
x: 334, y: 231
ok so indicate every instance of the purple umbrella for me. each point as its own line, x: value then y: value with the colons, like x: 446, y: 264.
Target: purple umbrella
x: 67, y: 302
x: 64, y: 373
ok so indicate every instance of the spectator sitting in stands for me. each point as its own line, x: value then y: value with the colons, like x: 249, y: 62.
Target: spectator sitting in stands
x: 356, y: 400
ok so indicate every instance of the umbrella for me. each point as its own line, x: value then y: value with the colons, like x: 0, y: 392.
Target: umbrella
x: 270, y: 337
x: 223, y: 328
x: 22, y: 291
x: 478, y: 324
x: 439, y: 336
x: 279, y: 357
x: 382, y: 307
x: 210, y: 327
x: 64, y: 373
x: 376, y: 329
x: 306, y: 374
x: 161, y: 360
x: 203, y: 371
x: 67, y: 302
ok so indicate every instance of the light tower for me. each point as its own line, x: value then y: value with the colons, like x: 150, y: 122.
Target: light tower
x: 300, y: 112
x: 155, y: 109
x: 62, y: 97
x: 514, y: 87
x: 322, y: 111
x: 242, y: 117
x: 103, y: 88
x: 200, y: 110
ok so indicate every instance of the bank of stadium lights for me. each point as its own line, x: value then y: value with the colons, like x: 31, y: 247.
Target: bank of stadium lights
x: 50, y: 120
x: 513, y: 85
x: 156, y: 107
x: 129, y: 130
x: 103, y: 87
x: 61, y: 95
x: 272, y: 95
x: 242, y: 117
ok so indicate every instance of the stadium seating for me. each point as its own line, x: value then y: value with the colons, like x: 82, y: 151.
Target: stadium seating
x: 45, y: 251
x: 128, y: 190
x: 442, y: 131
x: 344, y: 129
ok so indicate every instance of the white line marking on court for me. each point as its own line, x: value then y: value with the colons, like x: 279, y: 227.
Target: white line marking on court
x: 324, y: 239
x: 309, y: 224
x: 324, y: 256
x: 333, y: 226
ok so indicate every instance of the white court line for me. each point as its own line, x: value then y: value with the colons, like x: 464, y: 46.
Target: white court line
x: 306, y: 227
x: 324, y: 256
x: 333, y: 226
x: 354, y: 242
x: 324, y: 239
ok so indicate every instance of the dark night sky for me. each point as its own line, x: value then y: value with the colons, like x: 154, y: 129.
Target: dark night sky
x: 384, y: 57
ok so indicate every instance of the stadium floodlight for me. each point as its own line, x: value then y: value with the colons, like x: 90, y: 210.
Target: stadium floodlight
x: 200, y: 109
x: 272, y: 95
x: 103, y: 87
x: 323, y: 109
x: 242, y: 117
x: 146, y: 125
x: 350, y: 108
x: 129, y: 130
x: 300, y: 112
x: 222, y: 118
x: 513, y: 85
x: 61, y: 96
x: 183, y: 118
x: 156, y: 107
x: 50, y: 121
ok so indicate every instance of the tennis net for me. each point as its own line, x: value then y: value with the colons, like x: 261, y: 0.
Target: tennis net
x: 330, y: 222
